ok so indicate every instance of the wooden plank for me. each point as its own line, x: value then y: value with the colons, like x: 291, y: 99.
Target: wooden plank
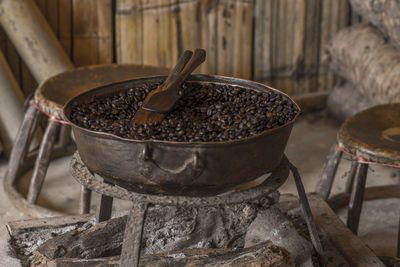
x: 308, y: 78
x: 92, y: 32
x: 188, y: 27
x: 129, y: 32
x: 52, y: 15
x: 279, y: 65
x: 150, y: 20
x: 289, y: 41
x: 351, y: 247
x: 64, y: 27
x: 279, y: 42
x: 262, y: 41
x: 163, y: 29
x: 167, y: 52
x: 242, y: 39
x: 334, y: 16
x: 209, y: 34
x: 234, y: 42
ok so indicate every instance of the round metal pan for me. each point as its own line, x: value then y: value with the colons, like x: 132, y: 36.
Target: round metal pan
x: 179, y: 168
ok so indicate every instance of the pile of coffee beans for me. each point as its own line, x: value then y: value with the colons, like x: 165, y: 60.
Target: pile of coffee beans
x: 206, y: 113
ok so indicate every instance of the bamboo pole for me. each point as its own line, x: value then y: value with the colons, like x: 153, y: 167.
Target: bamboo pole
x: 11, y: 103
x: 33, y: 38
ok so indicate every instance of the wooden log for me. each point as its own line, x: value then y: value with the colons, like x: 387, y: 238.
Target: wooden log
x: 384, y: 14
x: 165, y: 229
x: 34, y: 38
x: 345, y: 101
x: 11, y: 103
x: 103, y: 238
x: 361, y: 55
x: 263, y: 254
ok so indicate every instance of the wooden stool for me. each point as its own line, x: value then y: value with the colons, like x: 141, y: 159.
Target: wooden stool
x: 49, y: 99
x: 371, y: 137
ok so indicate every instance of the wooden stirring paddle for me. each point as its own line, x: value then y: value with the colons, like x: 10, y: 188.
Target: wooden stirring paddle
x: 162, y: 100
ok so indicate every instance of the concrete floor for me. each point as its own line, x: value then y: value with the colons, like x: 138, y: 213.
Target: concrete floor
x: 308, y: 146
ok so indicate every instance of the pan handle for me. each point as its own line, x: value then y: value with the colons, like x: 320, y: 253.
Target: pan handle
x: 185, y: 174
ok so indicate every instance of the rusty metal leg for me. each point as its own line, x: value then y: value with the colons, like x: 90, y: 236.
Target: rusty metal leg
x: 130, y: 254
x: 22, y: 143
x: 324, y: 187
x: 356, y: 198
x: 104, y: 207
x: 305, y: 206
x: 84, y: 203
x: 42, y: 161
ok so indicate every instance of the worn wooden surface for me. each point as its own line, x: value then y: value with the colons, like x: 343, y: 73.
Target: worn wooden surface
x: 352, y: 248
x: 362, y: 56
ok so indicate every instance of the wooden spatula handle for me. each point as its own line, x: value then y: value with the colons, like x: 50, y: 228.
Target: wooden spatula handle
x: 182, y: 61
x: 199, y: 56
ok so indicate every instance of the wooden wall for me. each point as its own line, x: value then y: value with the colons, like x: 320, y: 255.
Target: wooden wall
x: 279, y: 42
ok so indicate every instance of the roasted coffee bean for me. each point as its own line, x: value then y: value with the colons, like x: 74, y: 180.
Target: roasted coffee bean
x: 205, y: 113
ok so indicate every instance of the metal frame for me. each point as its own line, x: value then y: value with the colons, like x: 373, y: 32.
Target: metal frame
x: 133, y: 232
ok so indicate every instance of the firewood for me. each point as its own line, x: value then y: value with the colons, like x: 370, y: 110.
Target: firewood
x: 344, y: 101
x: 263, y: 254
x: 361, y: 55
x: 166, y: 229
x: 384, y: 14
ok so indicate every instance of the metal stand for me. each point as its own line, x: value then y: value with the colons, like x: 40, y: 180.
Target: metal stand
x: 133, y: 233
x: 305, y: 206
